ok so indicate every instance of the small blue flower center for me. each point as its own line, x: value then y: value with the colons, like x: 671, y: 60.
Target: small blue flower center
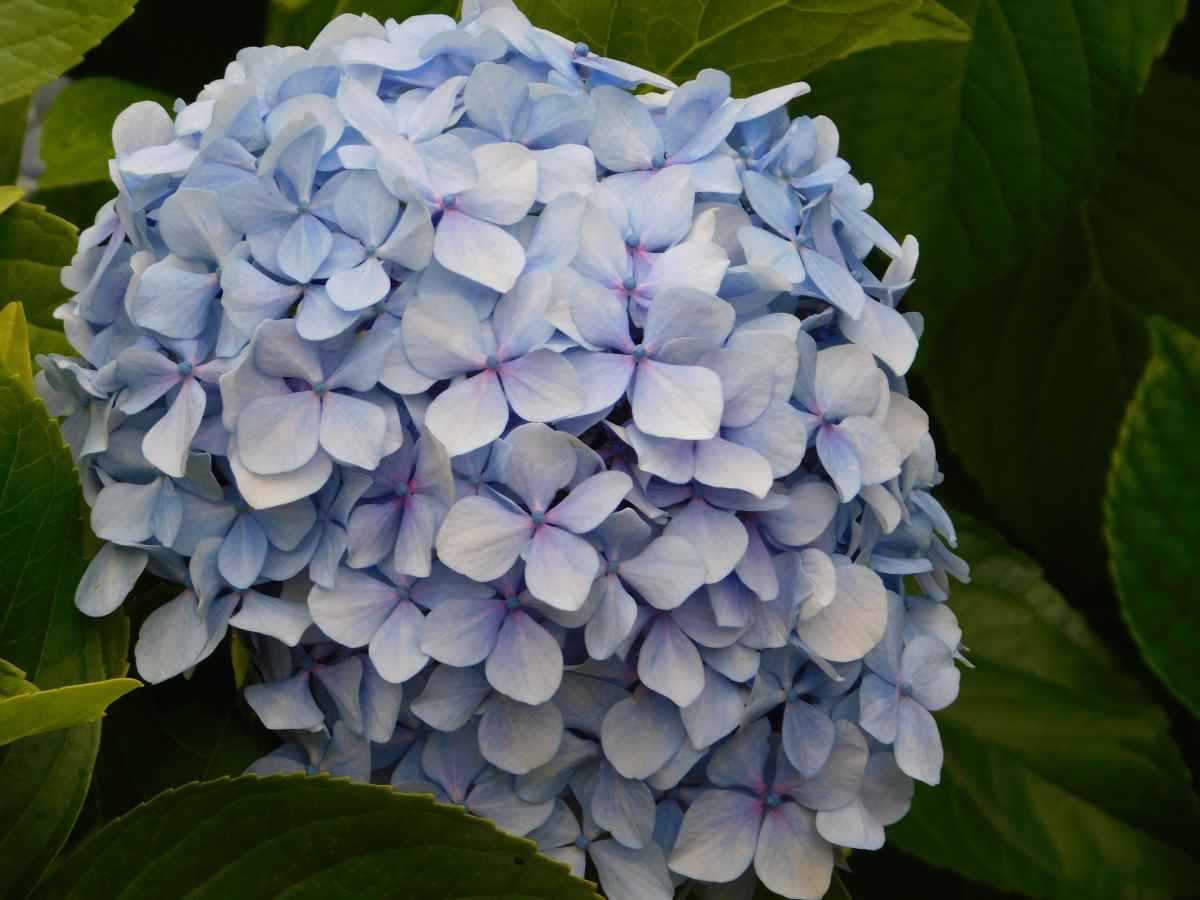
x: 319, y: 387
x: 629, y: 284
x: 381, y: 306
x: 801, y: 241
x: 787, y: 174
x: 310, y: 769
x: 909, y: 603
x: 240, y: 505
x: 612, y: 567
x: 302, y: 206
x: 906, y: 688
x: 618, y: 447
x: 402, y: 489
x: 307, y: 663
x: 539, y: 518
x: 673, y: 793
x: 839, y: 225
x: 187, y: 582
x: 658, y: 162
x: 857, y: 276
x: 492, y: 362
x: 699, y: 490
x: 322, y: 515
x: 582, y: 49
x: 474, y: 481
x: 403, y: 591
x: 632, y: 240
x: 744, y: 152
x: 828, y: 418
x: 582, y: 843
x: 639, y: 352
x: 185, y: 368
x: 370, y: 249
x: 449, y: 200
x: 84, y: 402
x: 218, y: 272
x: 512, y: 603
x: 772, y: 800
x: 792, y: 696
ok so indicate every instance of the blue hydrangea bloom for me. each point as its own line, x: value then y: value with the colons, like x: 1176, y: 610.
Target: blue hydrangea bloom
x: 538, y: 425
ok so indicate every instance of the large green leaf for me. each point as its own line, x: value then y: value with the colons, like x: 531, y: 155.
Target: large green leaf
x: 305, y: 837
x: 77, y: 137
x: 41, y: 39
x: 1153, y: 511
x: 981, y: 149
x: 34, y: 246
x: 1061, y: 779
x: 1031, y: 377
x: 760, y: 43
x: 43, y: 778
x: 34, y: 712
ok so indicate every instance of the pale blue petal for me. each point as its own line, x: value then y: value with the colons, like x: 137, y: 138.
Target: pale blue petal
x: 286, y: 704
x: 518, y: 737
x: 242, y: 552
x: 451, y: 696
x: 719, y: 834
x: 462, y: 632
x: 526, y: 662
x: 641, y: 733
x: 669, y: 664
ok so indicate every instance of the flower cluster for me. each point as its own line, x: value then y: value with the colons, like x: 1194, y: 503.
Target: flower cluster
x: 540, y: 428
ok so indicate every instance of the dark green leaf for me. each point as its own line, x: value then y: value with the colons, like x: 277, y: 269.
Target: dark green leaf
x: 1030, y: 379
x: 1061, y: 779
x: 77, y: 137
x: 760, y: 43
x: 34, y: 246
x: 297, y: 22
x: 43, y: 782
x: 306, y: 837
x: 930, y: 22
x: 169, y: 734
x: 41, y: 39
x: 77, y: 203
x: 13, y: 119
x: 38, y: 711
x: 43, y: 778
x: 1153, y: 511
x: 981, y: 149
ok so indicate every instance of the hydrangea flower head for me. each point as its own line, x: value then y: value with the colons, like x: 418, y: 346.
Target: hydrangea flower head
x: 540, y: 426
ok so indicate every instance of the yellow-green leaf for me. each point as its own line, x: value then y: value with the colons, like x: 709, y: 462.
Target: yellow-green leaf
x: 10, y: 194
x: 931, y: 22
x: 33, y: 712
x: 14, y: 343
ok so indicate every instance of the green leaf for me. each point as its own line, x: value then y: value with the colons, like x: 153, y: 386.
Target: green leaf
x: 1061, y: 778
x: 14, y: 117
x: 982, y: 148
x: 34, y: 712
x: 1031, y: 378
x: 43, y: 782
x: 12, y: 681
x: 43, y: 778
x: 10, y: 194
x: 1153, y: 511
x: 41, y: 39
x: 930, y: 22
x: 167, y: 735
x: 14, y: 344
x: 34, y: 246
x: 76, y: 203
x: 760, y: 43
x: 264, y: 837
x: 77, y: 137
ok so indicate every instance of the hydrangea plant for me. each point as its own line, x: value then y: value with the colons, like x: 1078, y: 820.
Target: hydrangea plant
x: 541, y: 427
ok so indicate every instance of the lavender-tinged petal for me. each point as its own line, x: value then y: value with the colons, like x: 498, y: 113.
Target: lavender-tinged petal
x: 641, y: 733
x: 109, y: 578
x: 171, y: 639
x: 478, y: 250
x: 354, y: 609
x: 541, y: 386
x: 718, y: 837
x: 715, y: 713
x: 462, y: 632
x: 625, y: 137
x: 807, y: 737
x: 560, y: 567
x: 854, y: 621
x: 286, y: 704
x: 469, y: 414
x: 242, y: 552
x: 481, y: 539
x: 453, y: 760
x: 792, y: 858
x: 281, y: 619
x: 526, y: 662
x: 623, y: 806
x: 451, y: 696
x: 724, y: 464
x: 677, y: 401
x: 395, y: 647
x: 341, y: 682
x: 666, y: 572
x: 279, y: 434
x: 352, y: 430
x: 518, y: 737
x: 590, y: 502
x: 717, y: 535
